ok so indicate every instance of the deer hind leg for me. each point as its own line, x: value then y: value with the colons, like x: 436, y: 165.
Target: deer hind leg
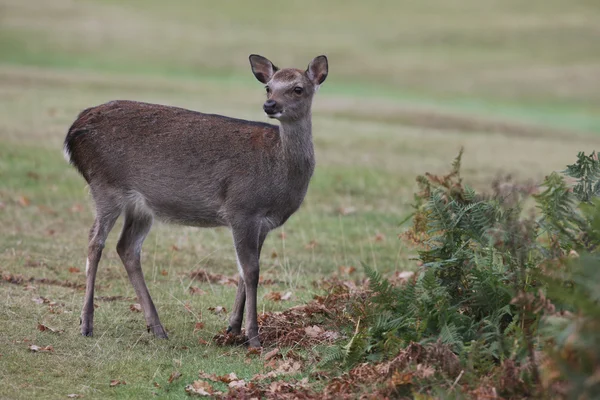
x: 107, y: 213
x: 136, y: 226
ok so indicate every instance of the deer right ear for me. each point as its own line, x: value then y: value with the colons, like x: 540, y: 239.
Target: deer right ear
x: 262, y: 68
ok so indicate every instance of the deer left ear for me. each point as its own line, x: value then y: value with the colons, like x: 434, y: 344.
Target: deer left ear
x: 317, y: 70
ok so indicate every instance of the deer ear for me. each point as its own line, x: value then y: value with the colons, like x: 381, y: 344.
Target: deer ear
x: 317, y: 70
x: 262, y: 68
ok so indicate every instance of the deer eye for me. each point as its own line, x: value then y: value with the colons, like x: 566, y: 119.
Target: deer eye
x: 268, y: 89
x: 298, y: 90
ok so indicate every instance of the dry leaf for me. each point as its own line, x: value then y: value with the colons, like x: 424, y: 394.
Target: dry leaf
x: 218, y: 310
x: 164, y: 272
x: 44, y: 328
x: 196, y: 290
x: 74, y: 270
x: 311, y: 245
x: 237, y: 384
x: 137, y: 307
x: 346, y: 270
x: 274, y: 296
x: 281, y: 235
x: 253, y: 351
x: 200, y: 388
x: 74, y: 396
x: 29, y: 287
x: 286, y: 296
x: 198, y: 326
x: 174, y: 375
x: 271, y: 354
x: 401, y: 378
x: 23, y: 201
x: 40, y: 300
x: 116, y: 382
x: 380, y: 237
x: 156, y: 385
x: 174, y: 248
x: 313, y: 331
x: 202, y: 341
x: 346, y: 210
x: 38, y: 349
x: 274, y: 254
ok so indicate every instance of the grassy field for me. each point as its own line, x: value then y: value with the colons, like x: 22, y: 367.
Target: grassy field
x: 515, y: 83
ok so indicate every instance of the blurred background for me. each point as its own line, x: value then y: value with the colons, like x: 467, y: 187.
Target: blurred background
x: 516, y: 83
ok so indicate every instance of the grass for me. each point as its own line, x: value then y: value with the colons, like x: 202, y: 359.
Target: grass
x: 410, y: 84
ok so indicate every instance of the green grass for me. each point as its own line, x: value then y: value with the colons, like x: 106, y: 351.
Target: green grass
x: 410, y: 83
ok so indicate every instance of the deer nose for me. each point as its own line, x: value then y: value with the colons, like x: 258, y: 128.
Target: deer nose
x: 269, y: 106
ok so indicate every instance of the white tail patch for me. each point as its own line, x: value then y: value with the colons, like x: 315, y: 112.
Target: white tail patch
x: 67, y: 154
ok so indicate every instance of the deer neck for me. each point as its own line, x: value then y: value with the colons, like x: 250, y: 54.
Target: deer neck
x: 296, y: 140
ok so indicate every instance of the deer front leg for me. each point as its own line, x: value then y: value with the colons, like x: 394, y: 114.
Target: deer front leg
x: 248, y: 241
x: 237, y: 314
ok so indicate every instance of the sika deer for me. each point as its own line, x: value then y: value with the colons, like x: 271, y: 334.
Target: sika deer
x: 205, y: 170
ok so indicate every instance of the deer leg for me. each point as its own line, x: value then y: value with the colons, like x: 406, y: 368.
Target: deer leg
x: 246, y: 239
x: 105, y: 220
x: 135, y: 229
x: 237, y: 315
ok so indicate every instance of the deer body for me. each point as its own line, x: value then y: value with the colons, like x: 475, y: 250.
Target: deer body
x: 150, y: 161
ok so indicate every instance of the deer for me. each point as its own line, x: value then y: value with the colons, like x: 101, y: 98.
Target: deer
x: 150, y: 161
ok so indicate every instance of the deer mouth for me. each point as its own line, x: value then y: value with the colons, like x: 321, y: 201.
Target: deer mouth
x: 273, y: 114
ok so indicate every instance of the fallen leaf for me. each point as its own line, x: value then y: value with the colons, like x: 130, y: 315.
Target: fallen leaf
x: 400, y: 378
x: 311, y: 245
x: 218, y: 310
x: 380, y: 237
x: 281, y: 235
x: 313, y: 331
x: 29, y: 287
x: 174, y: 248
x: 174, y: 375
x: 202, y: 341
x: 346, y: 270
x: 200, y: 388
x: 271, y: 354
x: 196, y: 290
x: 38, y: 349
x: 237, y: 384
x: 40, y: 300
x: 198, y: 326
x: 74, y: 396
x: 156, y: 385
x: 74, y: 270
x: 286, y: 296
x: 23, y: 201
x: 273, y: 296
x: 274, y: 254
x: 346, y: 210
x: 164, y: 272
x: 253, y: 351
x: 137, y: 307
x: 116, y: 382
x: 44, y: 328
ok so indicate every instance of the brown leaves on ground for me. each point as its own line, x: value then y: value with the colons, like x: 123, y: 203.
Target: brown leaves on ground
x: 218, y: 310
x: 200, y: 388
x: 203, y: 275
x: 137, y: 307
x: 174, y: 375
x: 44, y: 328
x: 196, y: 291
x: 277, y: 296
x: 37, y: 349
x: 18, y: 279
x: 117, y: 382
